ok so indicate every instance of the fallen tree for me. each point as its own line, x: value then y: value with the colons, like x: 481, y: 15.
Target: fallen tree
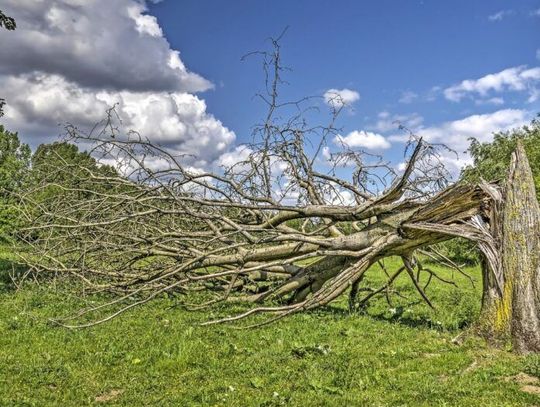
x: 281, y: 229
x: 170, y: 229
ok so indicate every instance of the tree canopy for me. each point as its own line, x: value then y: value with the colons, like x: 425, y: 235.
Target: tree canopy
x: 14, y: 166
x: 491, y: 160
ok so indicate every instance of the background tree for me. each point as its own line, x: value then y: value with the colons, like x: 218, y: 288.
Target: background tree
x: 491, y: 160
x: 60, y: 172
x: 64, y: 164
x: 14, y: 167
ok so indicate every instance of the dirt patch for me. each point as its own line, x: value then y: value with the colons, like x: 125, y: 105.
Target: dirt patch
x: 109, y: 396
x: 530, y: 389
x: 529, y: 384
x: 522, y: 378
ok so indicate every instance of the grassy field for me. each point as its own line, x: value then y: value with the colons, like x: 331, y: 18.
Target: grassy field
x: 157, y: 355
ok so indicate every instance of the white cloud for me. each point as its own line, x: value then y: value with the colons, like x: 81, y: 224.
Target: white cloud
x: 179, y: 121
x: 71, y: 60
x: 144, y: 23
x: 341, y: 97
x: 408, y: 97
x: 401, y: 166
x: 498, y: 16
x: 518, y: 79
x: 455, y: 134
x: 339, y: 196
x: 535, y: 13
x: 239, y: 154
x: 95, y: 43
x: 326, y: 153
x: 391, y: 122
x: 364, y: 139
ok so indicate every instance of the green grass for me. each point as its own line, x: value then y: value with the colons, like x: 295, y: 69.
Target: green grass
x: 157, y: 355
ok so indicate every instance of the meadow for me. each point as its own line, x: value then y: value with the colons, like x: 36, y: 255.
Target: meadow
x: 157, y: 355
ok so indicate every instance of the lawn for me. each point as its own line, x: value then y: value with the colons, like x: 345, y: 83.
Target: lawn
x: 399, y: 355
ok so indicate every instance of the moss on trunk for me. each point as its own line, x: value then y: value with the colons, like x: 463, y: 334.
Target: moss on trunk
x: 521, y: 254
x: 513, y: 309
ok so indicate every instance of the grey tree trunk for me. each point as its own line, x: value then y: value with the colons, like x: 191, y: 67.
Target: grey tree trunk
x: 521, y: 254
x: 511, y: 303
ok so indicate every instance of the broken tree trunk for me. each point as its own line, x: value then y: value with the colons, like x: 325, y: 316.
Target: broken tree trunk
x: 282, y: 243
x: 521, y: 254
x: 511, y: 303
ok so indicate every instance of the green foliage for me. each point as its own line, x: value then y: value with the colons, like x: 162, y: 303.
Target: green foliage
x: 158, y: 355
x: 491, y: 160
x: 59, y: 173
x: 14, y: 167
x: 460, y: 251
x: 7, y: 22
x: 52, y: 167
x: 61, y: 165
x: 490, y: 163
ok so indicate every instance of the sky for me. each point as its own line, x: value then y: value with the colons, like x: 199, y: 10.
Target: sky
x: 448, y: 70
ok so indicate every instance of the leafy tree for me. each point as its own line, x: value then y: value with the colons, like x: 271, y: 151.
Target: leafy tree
x: 59, y: 161
x: 490, y: 163
x: 61, y: 165
x: 14, y: 166
x: 491, y: 160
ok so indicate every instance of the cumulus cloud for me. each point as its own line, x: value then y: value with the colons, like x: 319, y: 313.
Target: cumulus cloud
x: 362, y: 139
x: 341, y: 97
x: 518, y: 79
x: 38, y: 102
x: 95, y: 43
x: 500, y: 15
x: 71, y: 60
x: 239, y: 154
x: 456, y: 134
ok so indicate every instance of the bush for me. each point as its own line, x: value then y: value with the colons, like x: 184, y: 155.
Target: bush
x: 460, y: 251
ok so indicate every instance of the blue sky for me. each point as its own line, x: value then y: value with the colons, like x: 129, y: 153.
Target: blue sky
x: 449, y: 70
x: 385, y: 50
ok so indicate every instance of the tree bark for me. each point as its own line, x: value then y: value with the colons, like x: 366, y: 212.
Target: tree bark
x: 521, y: 254
x: 511, y: 301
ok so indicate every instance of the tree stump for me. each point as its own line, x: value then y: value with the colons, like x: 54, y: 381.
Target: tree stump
x: 521, y: 254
